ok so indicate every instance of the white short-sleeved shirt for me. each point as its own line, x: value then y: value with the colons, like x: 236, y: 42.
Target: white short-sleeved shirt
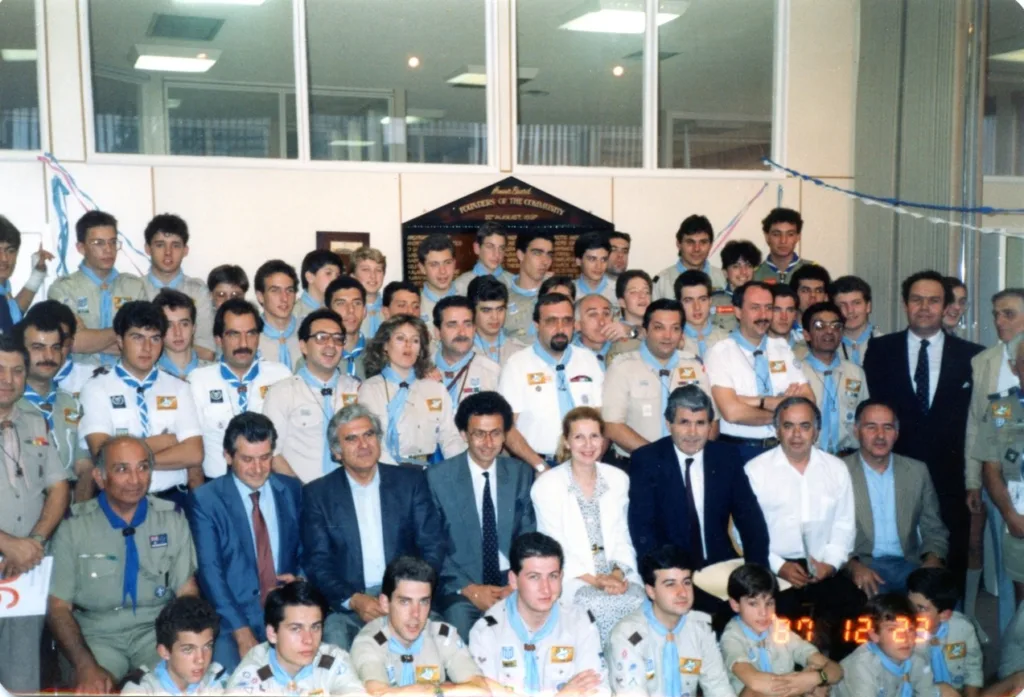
x: 730, y: 365
x: 529, y: 384
x: 109, y: 406
x: 73, y: 382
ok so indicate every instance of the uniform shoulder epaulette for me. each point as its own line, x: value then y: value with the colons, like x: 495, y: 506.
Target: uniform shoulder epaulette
x: 135, y: 676
x: 220, y: 673
x: 1008, y: 392
x: 655, y: 279
x: 326, y: 661
x: 593, y: 620
x: 490, y: 621
x: 380, y: 638
x: 443, y: 629
x: 101, y: 370
x: 265, y: 673
x: 635, y: 638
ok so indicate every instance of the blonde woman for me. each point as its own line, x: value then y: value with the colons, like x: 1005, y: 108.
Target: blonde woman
x: 582, y: 503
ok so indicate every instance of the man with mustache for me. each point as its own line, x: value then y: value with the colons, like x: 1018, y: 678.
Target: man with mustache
x: 463, y: 370
x: 237, y: 383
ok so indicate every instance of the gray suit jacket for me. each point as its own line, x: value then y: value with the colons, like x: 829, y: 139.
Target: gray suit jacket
x: 452, y: 488
x: 920, y: 528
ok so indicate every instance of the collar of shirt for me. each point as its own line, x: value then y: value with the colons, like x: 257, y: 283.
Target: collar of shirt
x: 373, y: 486
x: 698, y: 457
x: 244, y: 490
x: 935, y: 342
x: 869, y: 470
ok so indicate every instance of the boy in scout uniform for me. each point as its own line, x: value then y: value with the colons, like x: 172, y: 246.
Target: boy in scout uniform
x: 489, y: 247
x: 318, y: 270
x: 665, y: 648
x: 463, y: 370
x: 693, y: 291
x: 347, y: 297
x: 368, y: 267
x: 436, y: 257
x: 536, y: 254
x: 951, y: 647
x: 97, y: 290
x: 693, y: 244
x: 530, y: 642
x: 739, y: 259
x: 294, y: 660
x: 638, y: 383
x: 276, y: 284
x: 782, y: 228
x: 117, y: 560
x: 488, y: 298
x: 405, y: 648
x: 180, y: 356
x: 12, y: 306
x: 302, y: 405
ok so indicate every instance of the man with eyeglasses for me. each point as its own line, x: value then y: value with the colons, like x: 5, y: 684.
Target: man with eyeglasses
x: 838, y: 384
x: 237, y: 383
x: 97, y: 290
x: 739, y: 259
x: 12, y: 307
x: 227, y: 282
x: 301, y: 405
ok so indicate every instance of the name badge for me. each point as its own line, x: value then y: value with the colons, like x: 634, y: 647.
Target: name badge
x: 535, y: 378
x: 158, y: 540
x: 349, y: 398
x: 562, y: 654
x: 687, y: 374
x: 955, y: 650
x: 434, y: 404
x: 82, y: 305
x: 166, y: 403
x: 689, y: 666
x: 117, y: 401
x: 428, y: 674
x: 777, y: 366
x: 216, y: 397
x: 508, y: 657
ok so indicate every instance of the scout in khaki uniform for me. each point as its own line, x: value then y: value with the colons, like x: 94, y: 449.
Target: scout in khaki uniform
x: 946, y: 638
x: 739, y: 259
x: 293, y: 660
x: 489, y: 247
x: 404, y: 647
x: 180, y: 356
x: 488, y: 298
x: 463, y: 370
x: 318, y: 270
x: 347, y: 297
x: 97, y: 290
x: 436, y: 256
x: 117, y: 561
x: 693, y: 244
x: 276, y: 284
x: 693, y: 291
x: 782, y: 229
x: 368, y: 266
x: 536, y: 254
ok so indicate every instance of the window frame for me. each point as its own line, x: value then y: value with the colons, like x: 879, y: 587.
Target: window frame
x: 42, y: 94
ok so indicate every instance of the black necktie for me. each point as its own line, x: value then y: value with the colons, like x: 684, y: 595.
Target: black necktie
x: 921, y: 375
x: 492, y: 573
x: 696, y: 539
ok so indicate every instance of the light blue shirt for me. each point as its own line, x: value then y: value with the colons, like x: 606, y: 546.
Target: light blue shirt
x: 371, y: 528
x: 268, y: 507
x: 882, y: 494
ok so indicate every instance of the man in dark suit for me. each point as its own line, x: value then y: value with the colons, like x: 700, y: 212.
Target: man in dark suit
x: 358, y: 518
x: 245, y: 525
x: 474, y: 575
x: 925, y: 375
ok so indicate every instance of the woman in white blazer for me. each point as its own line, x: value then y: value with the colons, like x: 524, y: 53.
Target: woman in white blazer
x: 582, y: 503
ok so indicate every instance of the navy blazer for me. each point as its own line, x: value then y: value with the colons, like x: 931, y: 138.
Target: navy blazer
x: 452, y: 487
x: 332, y: 552
x: 225, y: 552
x: 657, y: 503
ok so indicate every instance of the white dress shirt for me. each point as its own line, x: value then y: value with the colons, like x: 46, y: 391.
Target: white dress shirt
x: 935, y: 344
x: 476, y: 473
x: 819, y: 501
x: 697, y: 483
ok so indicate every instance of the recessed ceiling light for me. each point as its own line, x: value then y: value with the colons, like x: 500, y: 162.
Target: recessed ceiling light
x: 173, y: 59
x: 19, y: 55
x: 618, y: 71
x: 414, y: 62
x: 620, y: 16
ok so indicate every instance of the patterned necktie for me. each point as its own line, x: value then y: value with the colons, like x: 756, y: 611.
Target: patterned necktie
x: 696, y: 538
x: 492, y: 572
x: 921, y: 375
x: 264, y: 556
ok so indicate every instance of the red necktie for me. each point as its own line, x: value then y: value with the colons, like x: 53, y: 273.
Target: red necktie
x: 264, y: 558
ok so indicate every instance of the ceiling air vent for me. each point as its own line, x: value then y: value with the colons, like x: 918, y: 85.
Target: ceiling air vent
x: 184, y: 27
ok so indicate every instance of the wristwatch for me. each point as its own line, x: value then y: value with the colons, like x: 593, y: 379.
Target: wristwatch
x: 824, y: 678
x: 38, y: 538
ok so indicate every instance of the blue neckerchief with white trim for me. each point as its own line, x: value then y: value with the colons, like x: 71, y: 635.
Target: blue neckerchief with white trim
x: 671, y: 685
x: 174, y: 283
x: 39, y: 402
x: 163, y: 676
x: 828, y: 439
x: 408, y: 667
x: 168, y: 366
x: 64, y: 372
x: 664, y: 373
x: 531, y: 681
x: 130, y: 586
x: 284, y: 354
x: 241, y: 386
x: 789, y: 267
x: 565, y: 398
x: 762, y: 370
x: 396, y: 407
x: 350, y: 356
x: 140, y: 387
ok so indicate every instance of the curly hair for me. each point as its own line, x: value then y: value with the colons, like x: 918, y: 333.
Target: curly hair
x: 375, y: 358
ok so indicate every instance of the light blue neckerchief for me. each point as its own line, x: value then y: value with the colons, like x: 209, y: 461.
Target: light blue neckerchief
x: 830, y: 407
x: 38, y: 401
x: 532, y: 679
x: 854, y: 344
x: 671, y: 685
x: 408, y: 667
x: 284, y: 354
x: 396, y: 405
x: 168, y: 683
x: 789, y: 267
x: 601, y: 353
x: 12, y: 305
x: 281, y: 677
x: 350, y: 356
x: 937, y: 653
x: 373, y: 311
x: 565, y: 400
x: 130, y: 585
x: 140, y: 387
x: 513, y: 284
x: 64, y: 372
x: 450, y: 371
x: 761, y: 368
x: 664, y: 373
x: 681, y: 268
x: 582, y: 284
x: 492, y: 351
x: 480, y: 270
x: 702, y: 339
x: 308, y: 301
x: 106, y: 296
x: 174, y: 283
x: 764, y: 661
x: 168, y: 366
x: 901, y: 670
x: 434, y: 297
x: 326, y: 391
x: 241, y: 386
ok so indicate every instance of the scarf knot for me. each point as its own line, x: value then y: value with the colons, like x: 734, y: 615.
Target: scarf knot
x: 530, y: 640
x: 408, y: 657
x: 284, y: 354
x: 241, y: 385
x: 762, y: 370
x: 140, y: 386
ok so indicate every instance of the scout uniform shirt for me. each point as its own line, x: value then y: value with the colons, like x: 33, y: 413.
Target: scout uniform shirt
x: 783, y: 648
x: 283, y: 349
x: 300, y: 418
x: 23, y: 484
x: 84, y: 298
x: 865, y: 676
x: 217, y: 401
x: 606, y: 289
x: 479, y: 375
x: 691, y: 343
x: 442, y: 656
x: 768, y: 272
x: 849, y: 389
x: 723, y: 312
x: 573, y: 646
x: 371, y: 323
x: 159, y: 682
x: 72, y: 376
x: 200, y: 294
x: 519, y: 313
x: 428, y: 299
x: 665, y: 282
x: 305, y: 305
x: 500, y: 350
x: 635, y: 393
x: 427, y: 421
x: 959, y: 648
x: 63, y: 437
x: 110, y: 406
x: 854, y: 349
x: 330, y: 673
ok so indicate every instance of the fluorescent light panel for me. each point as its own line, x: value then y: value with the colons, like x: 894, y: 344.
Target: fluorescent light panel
x: 221, y: 2
x: 173, y: 59
x: 620, y: 16
x: 19, y: 55
x: 476, y: 76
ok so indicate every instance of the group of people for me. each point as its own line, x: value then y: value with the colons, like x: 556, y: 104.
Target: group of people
x: 714, y: 478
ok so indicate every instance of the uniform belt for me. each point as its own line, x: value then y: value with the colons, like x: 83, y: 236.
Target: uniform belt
x: 766, y: 443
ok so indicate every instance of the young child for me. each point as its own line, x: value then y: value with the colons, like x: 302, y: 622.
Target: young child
x: 760, y: 655
x: 952, y: 647
x: 186, y: 629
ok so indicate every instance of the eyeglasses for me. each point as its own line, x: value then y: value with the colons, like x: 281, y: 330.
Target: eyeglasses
x: 100, y: 244
x: 322, y: 338
x: 821, y: 324
x: 229, y: 294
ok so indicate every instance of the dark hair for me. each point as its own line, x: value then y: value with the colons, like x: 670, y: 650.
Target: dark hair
x: 663, y: 305
x: 953, y: 282
x: 849, y: 284
x: 236, y: 306
x: 187, y: 613
x: 790, y: 402
x: 1009, y: 293
x: 93, y: 219
x: 689, y: 278
x: 752, y: 581
x: 298, y: 593
x: 533, y: 544
x: 305, y: 325
x: 489, y: 229
x: 9, y: 233
x: 782, y: 215
x: 139, y: 314
x: 11, y: 343
x: 407, y: 568
x: 619, y: 235
x: 628, y: 275
x: 483, y: 289
x: 740, y: 293
x: 887, y: 607
x: 545, y: 299
x: 661, y: 559
x: 938, y: 585
x: 45, y: 309
x: 810, y: 272
x: 316, y: 260
x: 230, y: 274
x: 169, y: 224
x: 170, y: 299
x: 483, y: 404
x: 41, y: 321
x: 434, y: 243
x: 253, y: 427
x: 343, y: 283
x: 734, y: 250
x: 450, y: 302
x: 558, y: 280
x: 928, y: 275
x: 269, y: 268
x: 781, y: 290
x: 395, y: 286
x: 588, y: 241
x: 818, y: 308
x: 694, y: 225
x: 875, y: 402
x: 523, y: 239
x: 690, y: 397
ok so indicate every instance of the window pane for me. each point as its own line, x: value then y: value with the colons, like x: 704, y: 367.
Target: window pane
x: 19, y: 88
x: 381, y: 80
x: 715, y: 85
x: 580, y: 83
x: 179, y: 78
x: 1003, y: 128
